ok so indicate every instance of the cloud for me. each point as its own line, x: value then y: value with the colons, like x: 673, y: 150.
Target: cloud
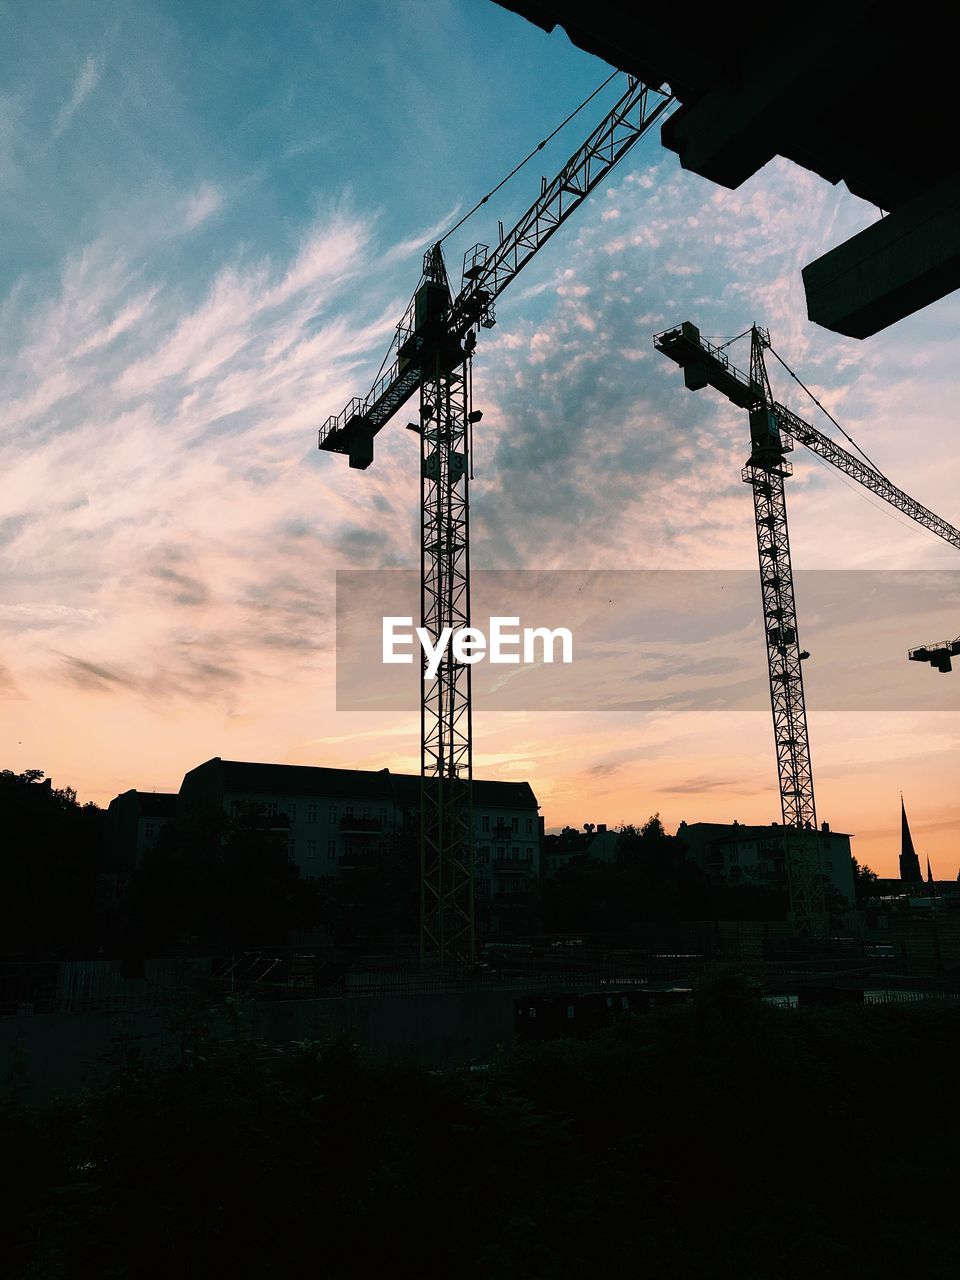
x: 9, y: 691
x: 161, y: 483
x: 698, y: 785
x: 604, y: 769
x: 184, y: 590
x: 86, y: 81
x: 586, y: 426
x: 94, y: 676
x: 201, y: 205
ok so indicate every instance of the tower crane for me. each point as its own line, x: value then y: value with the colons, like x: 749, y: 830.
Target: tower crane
x: 432, y: 353
x: 938, y: 655
x: 773, y: 431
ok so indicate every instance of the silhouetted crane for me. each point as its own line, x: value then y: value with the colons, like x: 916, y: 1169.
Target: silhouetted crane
x: 938, y: 655
x: 773, y: 430
x: 432, y: 353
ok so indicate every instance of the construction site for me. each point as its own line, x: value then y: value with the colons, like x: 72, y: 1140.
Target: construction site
x: 432, y: 355
x: 605, y: 983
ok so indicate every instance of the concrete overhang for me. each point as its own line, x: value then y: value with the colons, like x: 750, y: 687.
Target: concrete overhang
x: 850, y: 91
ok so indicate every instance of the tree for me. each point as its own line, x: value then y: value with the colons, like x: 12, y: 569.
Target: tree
x: 377, y: 894
x: 866, y: 883
x: 223, y: 881
x: 48, y: 869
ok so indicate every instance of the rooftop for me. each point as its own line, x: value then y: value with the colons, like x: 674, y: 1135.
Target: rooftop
x: 381, y: 785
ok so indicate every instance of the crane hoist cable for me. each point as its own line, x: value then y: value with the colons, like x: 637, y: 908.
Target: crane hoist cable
x: 846, y: 434
x: 728, y: 342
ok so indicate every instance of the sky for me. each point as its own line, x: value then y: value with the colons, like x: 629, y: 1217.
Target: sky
x: 213, y: 216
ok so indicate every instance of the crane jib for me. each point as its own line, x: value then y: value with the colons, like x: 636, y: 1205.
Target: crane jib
x: 352, y: 430
x: 705, y: 365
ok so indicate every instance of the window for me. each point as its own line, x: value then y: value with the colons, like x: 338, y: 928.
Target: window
x: 291, y: 811
x: 483, y: 853
x: 333, y: 813
x: 271, y: 809
x: 311, y: 813
x: 291, y: 849
x: 514, y: 851
x: 515, y: 824
x: 383, y: 817
x: 529, y: 854
x: 311, y: 848
x: 485, y: 822
x: 529, y: 826
x: 366, y: 811
x: 348, y: 811
x: 235, y: 807
x: 151, y: 831
x: 483, y: 889
x: 331, y: 848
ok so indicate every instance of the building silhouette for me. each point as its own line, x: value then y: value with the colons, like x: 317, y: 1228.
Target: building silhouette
x: 735, y: 854
x: 597, y: 843
x: 133, y: 824
x: 335, y: 820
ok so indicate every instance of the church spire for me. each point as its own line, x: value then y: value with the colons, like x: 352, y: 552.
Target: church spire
x: 910, y: 872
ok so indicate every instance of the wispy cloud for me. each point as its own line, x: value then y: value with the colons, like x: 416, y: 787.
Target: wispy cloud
x: 86, y: 81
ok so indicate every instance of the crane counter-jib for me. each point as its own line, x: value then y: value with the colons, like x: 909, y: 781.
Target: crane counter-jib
x: 705, y: 365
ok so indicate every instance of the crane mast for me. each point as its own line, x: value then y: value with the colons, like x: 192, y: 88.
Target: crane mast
x: 773, y: 431
x: 446, y: 738
x: 431, y: 352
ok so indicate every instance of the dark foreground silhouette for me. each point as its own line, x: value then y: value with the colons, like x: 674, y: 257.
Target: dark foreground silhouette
x: 721, y: 1138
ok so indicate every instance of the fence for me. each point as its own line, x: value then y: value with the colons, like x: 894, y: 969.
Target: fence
x: 93, y: 986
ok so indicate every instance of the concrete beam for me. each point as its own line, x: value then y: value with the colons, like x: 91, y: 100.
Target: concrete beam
x: 900, y: 264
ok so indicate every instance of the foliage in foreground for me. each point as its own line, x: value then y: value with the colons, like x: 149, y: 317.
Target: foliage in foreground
x: 726, y: 1138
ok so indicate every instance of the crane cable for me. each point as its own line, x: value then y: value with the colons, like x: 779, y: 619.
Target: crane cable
x: 849, y: 437
x: 894, y: 513
x: 504, y: 181
x: 730, y: 341
x: 517, y: 168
